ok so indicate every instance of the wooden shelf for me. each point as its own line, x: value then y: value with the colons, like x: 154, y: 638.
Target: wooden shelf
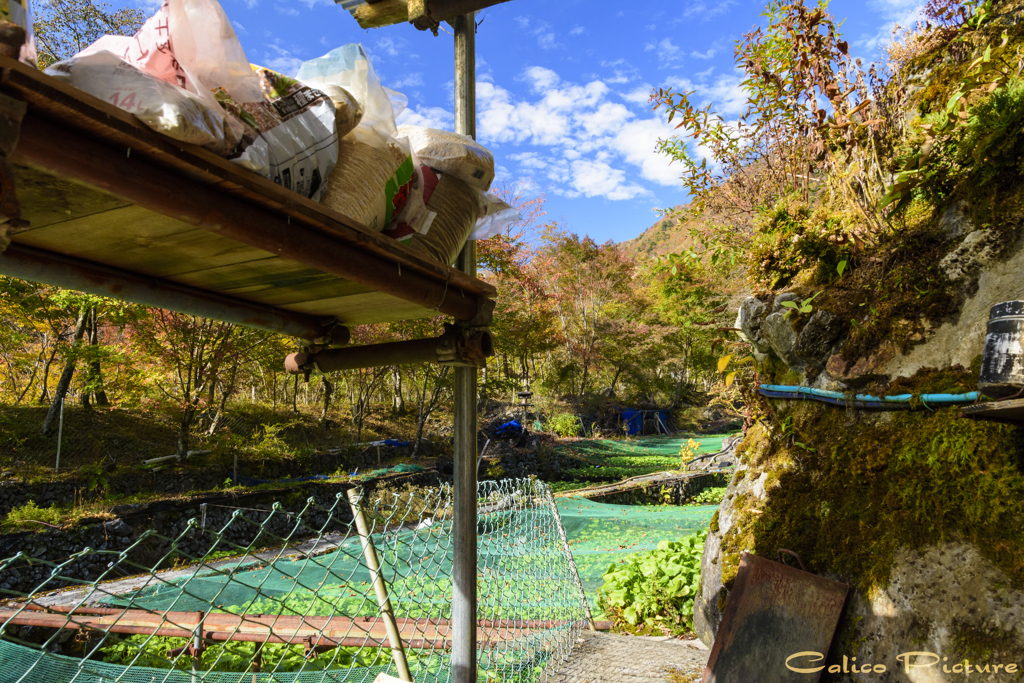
x: 129, y: 212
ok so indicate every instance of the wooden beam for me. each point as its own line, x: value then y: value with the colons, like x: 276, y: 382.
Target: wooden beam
x: 390, y: 12
x: 383, y: 13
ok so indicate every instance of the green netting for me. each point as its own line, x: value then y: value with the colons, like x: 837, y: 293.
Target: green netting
x: 615, y: 459
x: 528, y: 617
x: 600, y: 534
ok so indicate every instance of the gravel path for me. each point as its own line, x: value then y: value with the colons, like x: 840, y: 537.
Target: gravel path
x: 609, y: 658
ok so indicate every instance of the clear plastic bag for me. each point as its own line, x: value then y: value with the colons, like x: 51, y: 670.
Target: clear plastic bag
x: 496, y: 216
x: 348, y: 67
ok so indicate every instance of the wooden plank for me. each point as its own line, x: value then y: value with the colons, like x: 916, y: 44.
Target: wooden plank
x: 47, y: 199
x: 359, y: 309
x: 136, y: 239
x: 273, y: 280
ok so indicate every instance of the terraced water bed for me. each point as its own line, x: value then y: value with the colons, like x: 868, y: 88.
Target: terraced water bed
x: 599, y: 461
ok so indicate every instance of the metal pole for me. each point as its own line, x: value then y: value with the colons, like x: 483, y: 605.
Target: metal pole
x: 464, y: 666
x: 379, y: 587
x: 60, y: 433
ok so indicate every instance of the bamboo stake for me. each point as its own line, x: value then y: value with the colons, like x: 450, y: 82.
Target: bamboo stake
x: 572, y: 564
x: 379, y: 587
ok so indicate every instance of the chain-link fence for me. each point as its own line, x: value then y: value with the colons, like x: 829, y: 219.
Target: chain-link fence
x: 315, y: 607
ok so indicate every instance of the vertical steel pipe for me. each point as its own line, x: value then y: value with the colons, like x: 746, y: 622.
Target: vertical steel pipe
x: 464, y: 666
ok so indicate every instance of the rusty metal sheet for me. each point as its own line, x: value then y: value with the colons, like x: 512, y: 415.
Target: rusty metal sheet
x: 774, y: 611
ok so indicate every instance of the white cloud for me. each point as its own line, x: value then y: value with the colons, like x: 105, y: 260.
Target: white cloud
x: 669, y: 54
x: 547, y: 41
x: 387, y: 46
x: 576, y: 31
x: 894, y: 13
x: 596, y: 178
x: 704, y: 9
x: 428, y: 117
x: 288, y: 11
x: 577, y: 136
x: 412, y: 80
x: 638, y: 95
x: 725, y: 93
x: 546, y: 38
x: 281, y: 60
x: 239, y: 28
x: 704, y: 55
x: 540, y: 78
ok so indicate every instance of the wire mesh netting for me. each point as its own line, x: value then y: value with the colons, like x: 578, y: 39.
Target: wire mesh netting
x: 314, y: 608
x: 600, y: 534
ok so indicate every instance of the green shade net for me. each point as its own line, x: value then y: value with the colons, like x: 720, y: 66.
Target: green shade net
x: 601, y: 534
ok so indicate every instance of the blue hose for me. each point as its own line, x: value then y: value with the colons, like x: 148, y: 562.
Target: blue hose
x: 902, y: 401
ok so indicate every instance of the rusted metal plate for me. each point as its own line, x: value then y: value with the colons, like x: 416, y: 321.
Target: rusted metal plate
x: 1009, y: 411
x: 774, y: 611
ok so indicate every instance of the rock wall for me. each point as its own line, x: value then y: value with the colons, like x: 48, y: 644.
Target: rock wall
x: 921, y: 512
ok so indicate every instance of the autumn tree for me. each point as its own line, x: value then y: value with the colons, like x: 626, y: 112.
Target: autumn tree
x: 196, y: 352
x: 583, y: 279
x: 64, y: 28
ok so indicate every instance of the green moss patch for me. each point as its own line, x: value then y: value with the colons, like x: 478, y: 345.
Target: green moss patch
x: 859, y: 492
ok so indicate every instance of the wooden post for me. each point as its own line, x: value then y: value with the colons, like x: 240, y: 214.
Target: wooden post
x: 379, y: 587
x: 464, y: 598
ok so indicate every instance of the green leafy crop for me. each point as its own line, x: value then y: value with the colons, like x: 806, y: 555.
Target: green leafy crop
x: 654, y: 590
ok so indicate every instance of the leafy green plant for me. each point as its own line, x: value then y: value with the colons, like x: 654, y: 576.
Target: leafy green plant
x: 564, y: 424
x: 712, y: 496
x: 653, y: 590
x: 30, y: 515
x: 94, y: 477
x: 804, y: 306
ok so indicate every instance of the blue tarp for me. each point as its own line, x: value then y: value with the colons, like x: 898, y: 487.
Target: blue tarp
x: 510, y: 428
x: 634, y: 420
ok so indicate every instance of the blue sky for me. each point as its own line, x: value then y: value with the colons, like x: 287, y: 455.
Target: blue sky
x: 562, y: 85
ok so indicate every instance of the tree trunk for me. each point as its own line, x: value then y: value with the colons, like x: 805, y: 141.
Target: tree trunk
x: 184, y: 430
x: 295, y: 395
x: 397, y: 400
x: 96, y: 372
x: 328, y: 393
x: 44, y: 393
x: 65, y: 377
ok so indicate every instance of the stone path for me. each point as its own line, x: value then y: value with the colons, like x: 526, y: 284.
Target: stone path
x: 609, y: 658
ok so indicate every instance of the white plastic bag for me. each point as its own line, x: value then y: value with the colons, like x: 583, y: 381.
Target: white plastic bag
x: 497, y: 216
x: 284, y: 129
x: 174, y: 111
x: 453, y: 154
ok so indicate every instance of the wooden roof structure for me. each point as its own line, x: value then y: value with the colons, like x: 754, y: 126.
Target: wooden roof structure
x: 99, y: 202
